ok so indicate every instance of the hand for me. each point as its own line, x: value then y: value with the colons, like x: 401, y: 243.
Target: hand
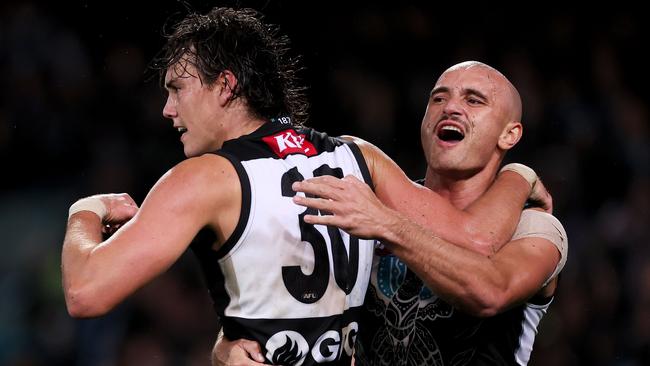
x: 113, y: 210
x: 349, y: 203
x: 241, y: 352
x: 120, y: 207
x: 540, y: 197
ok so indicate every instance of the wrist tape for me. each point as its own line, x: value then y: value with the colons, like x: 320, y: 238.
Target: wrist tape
x: 527, y: 173
x: 92, y: 204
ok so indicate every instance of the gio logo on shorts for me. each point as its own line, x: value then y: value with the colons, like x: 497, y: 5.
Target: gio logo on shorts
x: 290, y: 348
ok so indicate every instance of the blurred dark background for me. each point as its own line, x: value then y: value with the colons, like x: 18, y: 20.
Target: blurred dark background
x: 78, y: 118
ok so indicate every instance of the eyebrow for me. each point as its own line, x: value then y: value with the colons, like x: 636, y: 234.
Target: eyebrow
x: 475, y: 92
x: 170, y: 83
x: 440, y: 89
x: 466, y: 91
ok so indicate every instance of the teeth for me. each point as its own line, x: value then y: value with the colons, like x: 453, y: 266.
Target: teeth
x: 182, y: 129
x: 452, y: 128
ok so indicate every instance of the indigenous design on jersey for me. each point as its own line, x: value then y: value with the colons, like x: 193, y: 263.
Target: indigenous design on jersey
x: 406, y: 324
x: 295, y: 288
x: 398, y: 296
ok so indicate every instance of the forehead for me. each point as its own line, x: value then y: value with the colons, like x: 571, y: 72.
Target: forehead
x: 181, y: 69
x: 475, y: 78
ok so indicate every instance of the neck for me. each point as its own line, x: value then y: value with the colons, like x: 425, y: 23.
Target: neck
x: 241, y: 123
x: 462, y: 192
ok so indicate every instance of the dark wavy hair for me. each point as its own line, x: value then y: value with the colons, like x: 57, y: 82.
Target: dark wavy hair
x: 239, y: 41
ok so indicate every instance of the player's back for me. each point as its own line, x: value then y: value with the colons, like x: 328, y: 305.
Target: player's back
x: 295, y: 288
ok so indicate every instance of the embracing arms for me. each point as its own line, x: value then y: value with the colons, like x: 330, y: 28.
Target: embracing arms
x: 482, y: 280
x: 484, y: 227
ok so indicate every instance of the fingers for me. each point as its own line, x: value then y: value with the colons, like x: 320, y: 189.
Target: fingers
x: 329, y: 187
x: 253, y: 349
x: 240, y: 352
x: 120, y: 207
x: 542, y: 197
x: 118, y: 199
x: 323, y: 220
x: 328, y: 180
x: 318, y: 187
x: 547, y: 199
x: 324, y: 205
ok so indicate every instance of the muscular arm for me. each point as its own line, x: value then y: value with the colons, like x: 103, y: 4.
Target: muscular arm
x: 480, y: 285
x: 98, y: 275
x: 483, y: 227
x: 469, y: 275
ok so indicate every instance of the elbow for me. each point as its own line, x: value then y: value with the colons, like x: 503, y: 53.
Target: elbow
x: 480, y: 239
x: 482, y: 311
x: 83, y: 304
x: 483, y: 301
x: 484, y: 243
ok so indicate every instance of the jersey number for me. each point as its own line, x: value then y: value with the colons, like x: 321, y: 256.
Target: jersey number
x: 310, y: 288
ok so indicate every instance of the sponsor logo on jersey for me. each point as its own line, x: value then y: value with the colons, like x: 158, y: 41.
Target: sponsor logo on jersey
x: 290, y: 348
x: 289, y: 142
x: 287, y: 348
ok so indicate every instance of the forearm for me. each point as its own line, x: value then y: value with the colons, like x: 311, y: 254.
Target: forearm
x: 83, y: 234
x: 483, y: 227
x: 464, y: 278
x: 492, y: 219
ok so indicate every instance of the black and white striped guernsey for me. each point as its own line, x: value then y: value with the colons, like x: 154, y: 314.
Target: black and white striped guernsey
x: 295, y: 288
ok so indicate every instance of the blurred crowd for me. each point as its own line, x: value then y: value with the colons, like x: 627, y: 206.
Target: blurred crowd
x: 78, y: 116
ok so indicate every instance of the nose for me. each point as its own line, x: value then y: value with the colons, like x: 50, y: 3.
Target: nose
x: 453, y: 106
x: 169, y: 110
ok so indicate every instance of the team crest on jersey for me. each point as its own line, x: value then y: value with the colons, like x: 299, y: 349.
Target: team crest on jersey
x: 289, y: 142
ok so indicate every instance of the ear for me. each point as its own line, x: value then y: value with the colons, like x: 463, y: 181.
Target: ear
x: 226, y: 85
x: 510, y: 135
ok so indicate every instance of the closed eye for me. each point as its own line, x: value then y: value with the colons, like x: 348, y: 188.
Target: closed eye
x: 171, y: 86
x: 437, y: 98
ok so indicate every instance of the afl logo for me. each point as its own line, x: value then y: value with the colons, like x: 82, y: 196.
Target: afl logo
x: 287, y: 348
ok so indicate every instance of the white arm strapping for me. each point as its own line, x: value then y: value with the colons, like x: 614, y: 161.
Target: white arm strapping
x: 543, y: 225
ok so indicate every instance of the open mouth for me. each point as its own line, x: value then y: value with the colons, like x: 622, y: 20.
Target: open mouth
x: 450, y: 133
x: 181, y: 130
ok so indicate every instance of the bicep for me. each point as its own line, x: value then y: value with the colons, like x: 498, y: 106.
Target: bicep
x: 526, y: 264
x: 157, y: 235
x: 173, y: 212
x: 539, y: 224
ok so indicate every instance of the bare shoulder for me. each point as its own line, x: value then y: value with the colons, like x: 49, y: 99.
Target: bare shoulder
x: 374, y: 157
x: 204, y: 179
x: 204, y: 167
x: 365, y: 146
